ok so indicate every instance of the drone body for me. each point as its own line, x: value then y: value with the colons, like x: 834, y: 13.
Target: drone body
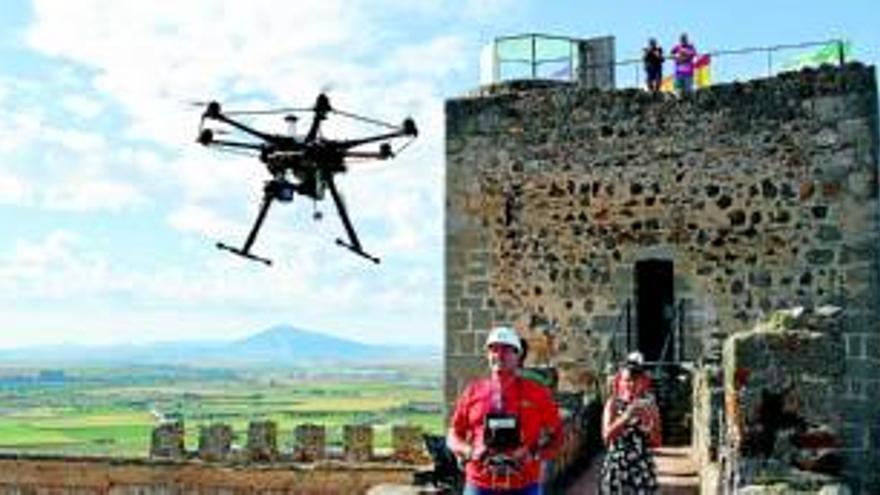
x: 304, y: 165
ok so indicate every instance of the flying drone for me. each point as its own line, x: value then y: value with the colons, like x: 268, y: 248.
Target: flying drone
x: 306, y: 165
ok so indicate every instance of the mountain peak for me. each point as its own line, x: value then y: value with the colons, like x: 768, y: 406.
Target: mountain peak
x: 290, y: 334
x: 289, y: 342
x: 279, y: 345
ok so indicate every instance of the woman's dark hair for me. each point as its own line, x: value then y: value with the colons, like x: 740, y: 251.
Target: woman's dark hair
x: 524, y: 352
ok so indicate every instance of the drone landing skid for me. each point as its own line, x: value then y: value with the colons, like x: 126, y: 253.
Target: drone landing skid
x: 356, y: 250
x: 243, y: 253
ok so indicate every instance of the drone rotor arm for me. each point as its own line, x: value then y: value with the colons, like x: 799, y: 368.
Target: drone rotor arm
x: 370, y: 155
x: 354, y: 143
x: 269, y: 138
x: 224, y: 143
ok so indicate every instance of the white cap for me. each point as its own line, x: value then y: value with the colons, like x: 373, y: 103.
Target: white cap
x: 505, y: 335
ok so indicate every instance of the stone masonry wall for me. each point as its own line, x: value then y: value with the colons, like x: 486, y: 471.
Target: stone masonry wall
x: 782, y: 388
x: 217, y: 467
x: 763, y: 195
x: 69, y: 476
x: 215, y: 444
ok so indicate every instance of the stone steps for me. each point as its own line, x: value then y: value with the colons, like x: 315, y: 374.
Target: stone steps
x: 676, y: 473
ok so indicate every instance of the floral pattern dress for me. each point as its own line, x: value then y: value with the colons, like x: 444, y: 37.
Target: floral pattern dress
x: 629, y: 466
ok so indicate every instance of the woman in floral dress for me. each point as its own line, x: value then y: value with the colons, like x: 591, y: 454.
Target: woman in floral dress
x: 630, y: 426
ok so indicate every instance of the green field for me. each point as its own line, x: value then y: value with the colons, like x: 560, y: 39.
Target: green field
x: 111, y: 412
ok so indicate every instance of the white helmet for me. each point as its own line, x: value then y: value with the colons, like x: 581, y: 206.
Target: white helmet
x: 505, y: 335
x: 635, y: 359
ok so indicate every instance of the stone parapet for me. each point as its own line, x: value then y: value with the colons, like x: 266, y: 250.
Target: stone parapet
x: 357, y: 442
x: 311, y: 442
x: 262, y: 441
x: 114, y: 476
x: 215, y: 442
x: 783, y: 413
x: 167, y: 441
x: 408, y: 445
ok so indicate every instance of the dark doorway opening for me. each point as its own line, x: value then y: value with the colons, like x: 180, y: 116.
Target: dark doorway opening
x: 655, y: 307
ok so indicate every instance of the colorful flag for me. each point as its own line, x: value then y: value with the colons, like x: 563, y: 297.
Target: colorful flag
x: 701, y: 71
x: 829, y: 53
x: 667, y: 84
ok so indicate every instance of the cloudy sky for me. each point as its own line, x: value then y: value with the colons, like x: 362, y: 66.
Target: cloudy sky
x: 110, y: 211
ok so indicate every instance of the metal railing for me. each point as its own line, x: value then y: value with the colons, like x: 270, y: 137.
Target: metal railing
x: 675, y: 336
x: 543, y: 56
x: 735, y: 65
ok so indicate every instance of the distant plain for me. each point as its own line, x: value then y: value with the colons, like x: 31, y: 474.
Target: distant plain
x: 111, y: 411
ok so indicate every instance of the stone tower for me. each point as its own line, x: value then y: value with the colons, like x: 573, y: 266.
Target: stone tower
x: 599, y: 222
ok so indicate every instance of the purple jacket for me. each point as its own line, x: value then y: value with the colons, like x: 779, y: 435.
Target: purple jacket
x: 684, y: 55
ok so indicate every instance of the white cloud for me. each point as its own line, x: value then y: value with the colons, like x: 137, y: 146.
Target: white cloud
x: 435, y: 58
x: 32, y: 260
x: 82, y: 106
x: 144, y: 59
x: 12, y: 189
x: 113, y: 302
x: 92, y: 195
x: 201, y: 220
x: 75, y: 140
x: 150, y: 56
x: 489, y: 9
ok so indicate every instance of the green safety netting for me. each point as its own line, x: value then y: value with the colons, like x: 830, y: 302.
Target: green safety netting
x: 533, y: 48
x: 528, y: 56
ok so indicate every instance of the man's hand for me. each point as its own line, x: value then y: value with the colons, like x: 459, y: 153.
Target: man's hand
x: 523, y: 455
x: 478, y: 453
x: 472, y: 453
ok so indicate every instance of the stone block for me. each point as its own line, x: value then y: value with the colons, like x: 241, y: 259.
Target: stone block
x: 820, y: 257
x: 605, y: 324
x: 834, y: 489
x: 481, y: 319
x: 215, y: 442
x: 464, y: 344
x: 453, y: 290
x: 478, y: 288
x: 861, y: 367
x: 457, y: 321
x: 357, y: 442
x: 471, y: 303
x: 408, y: 445
x: 872, y: 347
x: 262, y: 441
x: 829, y: 109
x: 167, y: 441
x: 310, y: 442
x: 855, y: 346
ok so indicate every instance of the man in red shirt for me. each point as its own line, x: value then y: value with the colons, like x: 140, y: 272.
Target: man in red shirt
x: 504, y: 426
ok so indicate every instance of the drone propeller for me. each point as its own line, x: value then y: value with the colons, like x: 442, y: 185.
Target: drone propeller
x: 269, y: 111
x: 196, y: 103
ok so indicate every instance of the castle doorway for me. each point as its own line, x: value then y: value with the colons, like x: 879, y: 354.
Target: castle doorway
x: 655, y: 307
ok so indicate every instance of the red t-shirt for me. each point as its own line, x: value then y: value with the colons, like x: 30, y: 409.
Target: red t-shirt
x: 537, y: 412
